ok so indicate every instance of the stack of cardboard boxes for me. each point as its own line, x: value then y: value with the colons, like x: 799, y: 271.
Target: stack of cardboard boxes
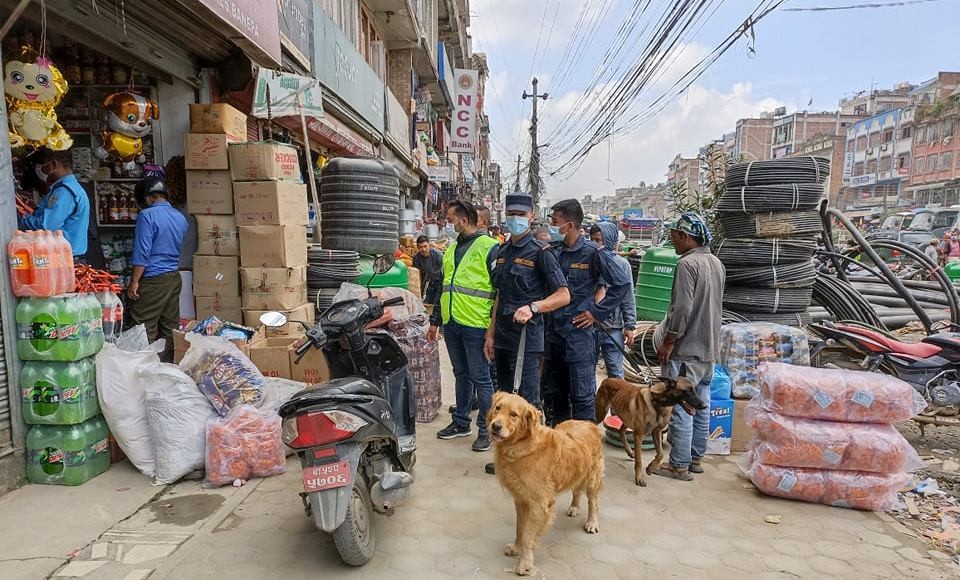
x: 216, y: 282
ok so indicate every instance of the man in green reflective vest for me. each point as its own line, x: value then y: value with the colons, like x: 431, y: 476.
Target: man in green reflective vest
x: 465, y: 309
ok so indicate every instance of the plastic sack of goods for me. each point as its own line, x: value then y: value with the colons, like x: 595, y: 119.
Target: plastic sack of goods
x: 744, y: 346
x: 246, y: 443
x: 793, y: 442
x: 223, y: 373
x: 837, y: 395
x: 849, y: 489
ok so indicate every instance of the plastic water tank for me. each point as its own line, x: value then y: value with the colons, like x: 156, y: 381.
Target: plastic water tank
x: 408, y: 222
x: 952, y: 270
x: 360, y: 205
x: 655, y: 282
x: 396, y: 277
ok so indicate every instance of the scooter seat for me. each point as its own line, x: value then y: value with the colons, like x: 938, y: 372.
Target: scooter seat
x: 338, y: 388
x: 916, y: 349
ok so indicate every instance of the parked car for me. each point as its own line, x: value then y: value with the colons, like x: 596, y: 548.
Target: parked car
x: 929, y: 223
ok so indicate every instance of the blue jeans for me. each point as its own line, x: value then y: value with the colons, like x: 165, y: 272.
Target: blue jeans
x: 612, y: 357
x: 688, y: 435
x: 472, y: 372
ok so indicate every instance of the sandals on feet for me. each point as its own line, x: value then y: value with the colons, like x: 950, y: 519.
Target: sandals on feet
x: 674, y: 473
x: 695, y: 467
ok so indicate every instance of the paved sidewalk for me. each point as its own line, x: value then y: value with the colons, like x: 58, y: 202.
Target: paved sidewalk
x: 458, y: 520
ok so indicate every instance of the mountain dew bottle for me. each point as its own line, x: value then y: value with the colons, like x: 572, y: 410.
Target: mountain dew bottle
x: 98, y: 434
x: 70, y: 326
x: 57, y: 393
x: 37, y: 328
x: 66, y: 455
x: 94, y: 324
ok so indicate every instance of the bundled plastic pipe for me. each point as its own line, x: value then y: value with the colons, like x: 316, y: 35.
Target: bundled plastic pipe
x: 779, y: 197
x: 772, y: 251
x: 801, y: 275
x: 786, y: 224
x: 789, y: 170
x: 766, y: 300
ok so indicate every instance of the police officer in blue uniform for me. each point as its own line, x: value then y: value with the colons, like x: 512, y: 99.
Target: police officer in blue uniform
x: 572, y: 345
x: 529, y: 284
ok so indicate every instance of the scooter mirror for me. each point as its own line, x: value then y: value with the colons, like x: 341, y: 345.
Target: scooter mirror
x: 384, y: 263
x: 273, y: 319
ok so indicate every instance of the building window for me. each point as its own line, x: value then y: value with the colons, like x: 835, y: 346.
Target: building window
x: 931, y: 163
x: 861, y: 142
x: 918, y: 167
x: 886, y: 163
x: 872, y: 166
x: 344, y: 14
x: 948, y: 127
x: 906, y: 132
x: 946, y: 161
x: 874, y: 139
x: 903, y: 161
x: 887, y: 136
x: 933, y: 133
x: 921, y: 135
x: 858, y: 168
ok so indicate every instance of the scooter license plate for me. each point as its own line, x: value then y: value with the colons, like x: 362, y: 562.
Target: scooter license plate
x: 327, y: 476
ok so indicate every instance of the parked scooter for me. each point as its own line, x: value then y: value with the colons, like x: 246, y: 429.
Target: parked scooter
x: 355, y: 434
x: 931, y: 366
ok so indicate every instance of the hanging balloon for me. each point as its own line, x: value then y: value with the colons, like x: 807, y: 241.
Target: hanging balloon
x: 128, y: 121
x: 33, y: 88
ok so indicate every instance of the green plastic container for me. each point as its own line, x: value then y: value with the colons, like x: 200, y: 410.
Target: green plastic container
x: 952, y: 270
x: 396, y: 277
x: 67, y: 455
x: 655, y: 282
x: 59, y: 393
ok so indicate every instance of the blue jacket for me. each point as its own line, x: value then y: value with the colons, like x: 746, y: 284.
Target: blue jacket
x: 624, y: 314
x: 66, y: 207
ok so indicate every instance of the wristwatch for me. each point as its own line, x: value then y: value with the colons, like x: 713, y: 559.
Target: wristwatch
x: 534, y: 307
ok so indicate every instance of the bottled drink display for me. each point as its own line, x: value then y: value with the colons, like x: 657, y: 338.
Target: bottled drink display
x: 63, y: 328
x: 67, y: 455
x: 112, y: 315
x: 41, y: 264
x: 59, y: 393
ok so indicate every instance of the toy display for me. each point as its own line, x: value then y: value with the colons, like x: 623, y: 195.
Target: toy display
x: 128, y: 121
x: 33, y: 87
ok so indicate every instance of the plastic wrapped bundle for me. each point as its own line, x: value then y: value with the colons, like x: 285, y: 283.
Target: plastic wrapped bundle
x: 791, y: 442
x: 837, y: 395
x: 744, y: 346
x: 246, y: 443
x: 223, y: 373
x: 849, y: 489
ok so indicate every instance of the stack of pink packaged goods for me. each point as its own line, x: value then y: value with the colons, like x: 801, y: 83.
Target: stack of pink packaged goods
x: 827, y: 436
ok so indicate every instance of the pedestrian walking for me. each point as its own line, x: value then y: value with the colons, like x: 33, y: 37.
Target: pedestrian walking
x: 155, y: 285
x: 932, y: 250
x: 429, y: 262
x: 465, y: 308
x: 618, y: 329
x: 572, y: 346
x: 691, y: 339
x: 65, y: 206
x: 529, y: 284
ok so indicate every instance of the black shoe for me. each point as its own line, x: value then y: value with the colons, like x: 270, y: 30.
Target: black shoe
x: 452, y: 409
x: 482, y: 443
x: 452, y: 431
x: 489, y: 468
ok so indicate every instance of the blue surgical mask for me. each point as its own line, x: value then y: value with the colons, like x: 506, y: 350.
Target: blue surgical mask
x: 555, y: 235
x: 449, y: 228
x: 517, y: 224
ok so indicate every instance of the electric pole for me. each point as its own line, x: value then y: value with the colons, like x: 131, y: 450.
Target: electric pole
x: 533, y: 175
x: 516, y: 183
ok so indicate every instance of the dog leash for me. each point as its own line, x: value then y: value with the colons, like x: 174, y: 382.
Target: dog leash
x: 644, y: 373
x: 518, y: 369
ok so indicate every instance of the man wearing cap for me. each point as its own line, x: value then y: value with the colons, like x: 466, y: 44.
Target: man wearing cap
x: 572, y: 347
x: 691, y: 339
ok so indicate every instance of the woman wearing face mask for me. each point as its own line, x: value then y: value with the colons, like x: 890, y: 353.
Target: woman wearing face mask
x: 66, y: 206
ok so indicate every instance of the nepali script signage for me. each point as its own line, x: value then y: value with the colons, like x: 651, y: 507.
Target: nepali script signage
x: 257, y: 23
x: 463, y: 127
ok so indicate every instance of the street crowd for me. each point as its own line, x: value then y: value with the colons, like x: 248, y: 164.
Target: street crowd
x: 532, y: 309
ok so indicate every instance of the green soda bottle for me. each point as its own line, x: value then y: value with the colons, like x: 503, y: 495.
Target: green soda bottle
x: 95, y: 336
x: 91, y: 401
x: 37, y: 328
x: 56, y: 393
x: 44, y: 455
x: 77, y: 461
x: 100, y: 445
x: 69, y: 317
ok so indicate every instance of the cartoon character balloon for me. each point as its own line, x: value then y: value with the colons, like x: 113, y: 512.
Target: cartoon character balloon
x: 128, y: 121
x: 33, y: 87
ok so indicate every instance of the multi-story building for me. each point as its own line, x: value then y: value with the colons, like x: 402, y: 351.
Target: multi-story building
x: 935, y: 175
x: 790, y: 132
x: 684, y: 172
x: 874, y: 102
x: 753, y: 139
x: 829, y: 147
x: 877, y: 159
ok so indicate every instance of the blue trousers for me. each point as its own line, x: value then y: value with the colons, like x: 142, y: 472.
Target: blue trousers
x: 506, y: 363
x: 472, y: 372
x: 612, y: 357
x: 570, y: 379
x: 688, y: 435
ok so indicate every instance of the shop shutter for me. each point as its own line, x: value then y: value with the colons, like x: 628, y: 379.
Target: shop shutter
x: 253, y: 128
x: 6, y: 426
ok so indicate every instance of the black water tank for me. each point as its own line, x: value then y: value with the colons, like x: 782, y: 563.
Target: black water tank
x: 360, y: 205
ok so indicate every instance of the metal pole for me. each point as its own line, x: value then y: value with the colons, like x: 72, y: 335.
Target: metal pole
x: 310, y: 178
x: 12, y: 19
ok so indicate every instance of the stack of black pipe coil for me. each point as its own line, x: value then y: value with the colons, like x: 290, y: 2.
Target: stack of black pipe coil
x: 769, y: 217
x: 326, y: 271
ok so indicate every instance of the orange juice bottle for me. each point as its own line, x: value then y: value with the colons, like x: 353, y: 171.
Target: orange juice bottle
x: 20, y: 258
x: 45, y: 264
x: 67, y: 278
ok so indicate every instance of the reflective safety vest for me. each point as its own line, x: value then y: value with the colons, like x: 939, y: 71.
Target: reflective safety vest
x: 468, y: 292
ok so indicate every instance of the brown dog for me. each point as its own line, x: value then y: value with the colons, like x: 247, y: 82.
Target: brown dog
x: 535, y: 463
x: 646, y: 410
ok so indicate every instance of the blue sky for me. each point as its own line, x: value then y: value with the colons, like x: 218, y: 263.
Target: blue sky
x: 799, y: 56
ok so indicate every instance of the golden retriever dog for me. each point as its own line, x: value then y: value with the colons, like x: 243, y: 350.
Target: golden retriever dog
x: 646, y: 409
x: 535, y: 463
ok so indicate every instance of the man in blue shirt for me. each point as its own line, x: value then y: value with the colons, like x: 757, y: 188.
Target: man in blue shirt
x: 155, y: 286
x: 66, y: 206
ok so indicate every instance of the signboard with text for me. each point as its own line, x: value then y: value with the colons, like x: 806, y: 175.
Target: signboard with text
x: 439, y: 173
x: 296, y: 30
x: 280, y: 94
x: 463, y: 127
x: 256, y: 23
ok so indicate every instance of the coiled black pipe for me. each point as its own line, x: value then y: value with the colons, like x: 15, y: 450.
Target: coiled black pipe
x: 773, y: 251
x: 766, y: 300
x: 788, y: 170
x: 778, y: 197
x: 799, y: 275
x: 843, y: 302
x: 788, y: 224
x: 932, y: 268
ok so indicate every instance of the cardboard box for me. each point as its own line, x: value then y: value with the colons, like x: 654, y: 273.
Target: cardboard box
x: 180, y: 344
x: 215, y: 275
x: 220, y: 118
x: 270, y: 203
x: 263, y: 246
x: 312, y: 368
x: 227, y: 308
x: 742, y: 432
x: 265, y: 161
x: 721, y: 427
x: 209, y: 192
x: 207, y: 151
x: 217, y: 235
x: 304, y: 312
x: 272, y: 356
x: 273, y: 288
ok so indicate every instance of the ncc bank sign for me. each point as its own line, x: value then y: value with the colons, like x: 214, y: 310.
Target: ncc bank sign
x: 463, y: 128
